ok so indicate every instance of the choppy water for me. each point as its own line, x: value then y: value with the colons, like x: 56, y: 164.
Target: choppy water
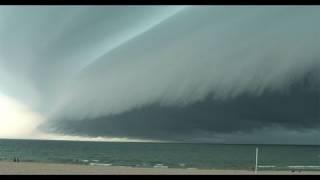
x: 162, y: 155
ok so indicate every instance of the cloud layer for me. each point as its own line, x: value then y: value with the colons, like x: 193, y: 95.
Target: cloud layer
x: 295, y: 109
x: 166, y: 72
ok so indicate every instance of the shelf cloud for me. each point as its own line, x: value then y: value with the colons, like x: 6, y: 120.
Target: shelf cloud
x: 173, y: 73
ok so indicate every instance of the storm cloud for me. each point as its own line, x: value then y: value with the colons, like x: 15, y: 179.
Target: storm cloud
x: 295, y: 109
x: 178, y: 73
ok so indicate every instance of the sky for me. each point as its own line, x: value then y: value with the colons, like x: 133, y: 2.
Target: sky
x: 218, y: 74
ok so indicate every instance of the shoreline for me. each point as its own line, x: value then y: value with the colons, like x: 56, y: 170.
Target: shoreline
x: 77, y: 169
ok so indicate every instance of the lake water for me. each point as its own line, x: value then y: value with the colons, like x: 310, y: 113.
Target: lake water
x: 162, y: 155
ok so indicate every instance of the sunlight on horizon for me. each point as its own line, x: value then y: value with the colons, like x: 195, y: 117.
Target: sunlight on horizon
x: 16, y: 119
x: 19, y: 122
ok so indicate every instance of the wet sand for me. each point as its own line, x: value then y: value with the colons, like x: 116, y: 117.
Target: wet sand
x: 51, y: 168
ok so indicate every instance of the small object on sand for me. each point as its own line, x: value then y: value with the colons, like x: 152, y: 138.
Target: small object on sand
x: 16, y: 159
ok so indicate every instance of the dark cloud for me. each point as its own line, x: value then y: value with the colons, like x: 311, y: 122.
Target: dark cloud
x: 297, y: 108
x: 225, y: 51
x: 164, y: 72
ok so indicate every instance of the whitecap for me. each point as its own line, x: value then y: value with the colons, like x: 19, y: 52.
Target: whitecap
x: 99, y: 164
x: 267, y: 166
x: 160, y: 166
x: 304, y: 167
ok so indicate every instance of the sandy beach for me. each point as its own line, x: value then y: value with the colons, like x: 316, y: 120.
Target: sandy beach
x: 48, y: 168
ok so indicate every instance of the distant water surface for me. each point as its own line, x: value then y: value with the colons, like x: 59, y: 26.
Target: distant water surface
x: 162, y: 155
